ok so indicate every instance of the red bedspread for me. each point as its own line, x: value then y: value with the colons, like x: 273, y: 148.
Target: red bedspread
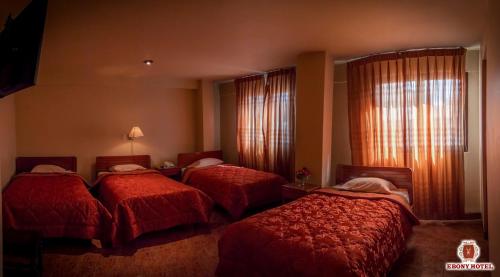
x: 236, y: 188
x: 328, y: 233
x: 147, y: 201
x: 56, y: 205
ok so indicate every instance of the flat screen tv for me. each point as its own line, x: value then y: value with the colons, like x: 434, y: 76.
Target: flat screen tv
x: 20, y: 45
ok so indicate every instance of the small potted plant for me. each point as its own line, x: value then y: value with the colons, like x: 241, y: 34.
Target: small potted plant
x: 303, y: 175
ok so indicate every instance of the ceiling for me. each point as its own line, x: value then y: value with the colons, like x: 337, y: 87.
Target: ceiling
x: 221, y: 39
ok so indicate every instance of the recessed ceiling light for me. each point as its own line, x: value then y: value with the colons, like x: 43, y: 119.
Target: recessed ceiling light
x: 148, y: 62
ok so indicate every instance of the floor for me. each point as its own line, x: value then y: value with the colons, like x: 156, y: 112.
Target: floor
x: 434, y: 243
x: 192, y: 251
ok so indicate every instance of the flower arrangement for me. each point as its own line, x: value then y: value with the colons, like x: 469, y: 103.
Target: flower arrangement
x: 303, y: 174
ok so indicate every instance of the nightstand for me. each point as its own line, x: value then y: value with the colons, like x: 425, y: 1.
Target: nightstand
x: 292, y: 191
x: 171, y: 172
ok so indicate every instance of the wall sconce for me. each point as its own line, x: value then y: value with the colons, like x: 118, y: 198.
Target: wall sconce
x: 134, y: 133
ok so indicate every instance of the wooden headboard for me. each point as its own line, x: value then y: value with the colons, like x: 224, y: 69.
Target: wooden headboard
x: 185, y: 159
x: 401, y: 177
x: 26, y: 164
x: 103, y: 163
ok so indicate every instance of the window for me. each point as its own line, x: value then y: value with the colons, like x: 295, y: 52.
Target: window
x: 266, y: 121
x: 408, y: 109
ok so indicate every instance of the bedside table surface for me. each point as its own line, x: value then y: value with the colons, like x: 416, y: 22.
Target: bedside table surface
x: 171, y: 172
x: 298, y: 186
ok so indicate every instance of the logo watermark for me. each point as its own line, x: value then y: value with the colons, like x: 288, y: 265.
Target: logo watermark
x: 468, y: 252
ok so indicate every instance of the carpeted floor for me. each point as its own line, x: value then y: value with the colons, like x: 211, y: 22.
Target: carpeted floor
x: 434, y: 243
x: 192, y: 251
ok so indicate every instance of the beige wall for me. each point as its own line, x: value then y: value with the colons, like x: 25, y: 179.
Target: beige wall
x: 314, y: 115
x: 7, y: 149
x: 472, y: 158
x: 206, y: 117
x: 341, y: 149
x: 493, y: 132
x: 7, y: 122
x: 227, y: 96
x: 328, y: 79
x: 7, y: 139
x: 88, y: 121
x: 86, y: 109
x: 216, y: 108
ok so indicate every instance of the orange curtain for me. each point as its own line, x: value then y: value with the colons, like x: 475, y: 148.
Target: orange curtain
x: 279, y: 122
x: 266, y: 122
x: 250, y: 114
x: 407, y: 109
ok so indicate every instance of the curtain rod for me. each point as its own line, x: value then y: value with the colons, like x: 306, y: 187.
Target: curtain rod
x: 397, y: 52
x: 342, y: 61
x: 256, y: 74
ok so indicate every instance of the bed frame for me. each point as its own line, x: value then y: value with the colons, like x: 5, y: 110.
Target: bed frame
x: 401, y: 177
x: 103, y: 163
x: 185, y: 159
x: 26, y: 164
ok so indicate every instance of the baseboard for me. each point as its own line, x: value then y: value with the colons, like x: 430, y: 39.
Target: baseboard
x: 469, y: 216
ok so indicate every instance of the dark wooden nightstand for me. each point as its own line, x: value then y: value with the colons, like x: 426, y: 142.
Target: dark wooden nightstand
x: 171, y: 172
x: 293, y: 191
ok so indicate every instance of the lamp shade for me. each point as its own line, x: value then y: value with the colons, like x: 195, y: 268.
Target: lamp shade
x: 135, y: 132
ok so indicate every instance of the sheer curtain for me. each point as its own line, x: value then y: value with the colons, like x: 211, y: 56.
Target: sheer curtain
x: 266, y: 122
x: 279, y: 122
x: 250, y: 117
x: 407, y: 109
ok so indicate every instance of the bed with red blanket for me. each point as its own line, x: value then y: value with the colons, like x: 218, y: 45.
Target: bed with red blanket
x: 142, y: 201
x: 326, y: 233
x: 236, y: 189
x: 53, y: 204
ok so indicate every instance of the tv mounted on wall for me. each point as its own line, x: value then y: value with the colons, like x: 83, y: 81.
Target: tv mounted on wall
x: 20, y: 45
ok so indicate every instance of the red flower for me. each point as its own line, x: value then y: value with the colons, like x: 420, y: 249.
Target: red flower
x: 303, y: 173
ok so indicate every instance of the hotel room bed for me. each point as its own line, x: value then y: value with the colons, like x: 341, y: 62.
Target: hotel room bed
x: 236, y: 189
x: 53, y: 204
x: 326, y: 233
x: 144, y: 200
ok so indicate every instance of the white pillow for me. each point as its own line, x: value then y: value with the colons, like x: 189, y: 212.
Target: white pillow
x: 48, y: 168
x: 205, y: 162
x: 403, y: 193
x: 125, y: 167
x: 368, y: 184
